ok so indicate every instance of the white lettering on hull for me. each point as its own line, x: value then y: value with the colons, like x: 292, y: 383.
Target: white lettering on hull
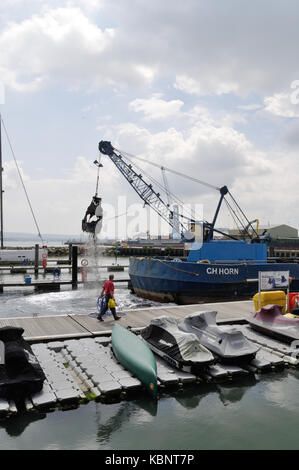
x: 223, y: 271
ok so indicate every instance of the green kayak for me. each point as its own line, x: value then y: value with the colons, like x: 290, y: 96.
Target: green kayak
x: 133, y: 353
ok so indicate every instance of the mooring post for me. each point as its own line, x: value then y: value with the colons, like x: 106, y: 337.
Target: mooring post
x: 74, y: 267
x: 70, y: 253
x: 36, y: 259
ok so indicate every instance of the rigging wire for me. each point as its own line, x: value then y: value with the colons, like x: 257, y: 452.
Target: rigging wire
x: 234, y: 215
x: 23, y: 184
x: 162, y: 188
x: 171, y: 171
x: 233, y: 212
x: 249, y: 223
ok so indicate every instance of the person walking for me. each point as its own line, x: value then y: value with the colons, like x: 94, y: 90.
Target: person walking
x: 108, y: 290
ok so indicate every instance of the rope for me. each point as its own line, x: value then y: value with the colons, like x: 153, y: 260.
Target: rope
x: 28, y: 200
x: 177, y: 269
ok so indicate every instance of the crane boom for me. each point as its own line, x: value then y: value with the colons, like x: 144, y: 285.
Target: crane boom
x: 153, y: 199
x: 142, y: 188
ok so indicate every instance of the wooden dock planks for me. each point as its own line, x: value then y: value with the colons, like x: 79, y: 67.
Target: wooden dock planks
x: 47, y: 328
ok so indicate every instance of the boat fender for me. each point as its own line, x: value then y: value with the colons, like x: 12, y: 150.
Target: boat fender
x: 206, y: 261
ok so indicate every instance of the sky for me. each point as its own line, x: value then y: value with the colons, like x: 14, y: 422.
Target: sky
x: 206, y: 88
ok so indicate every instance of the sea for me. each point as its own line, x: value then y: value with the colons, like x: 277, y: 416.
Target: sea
x: 260, y: 412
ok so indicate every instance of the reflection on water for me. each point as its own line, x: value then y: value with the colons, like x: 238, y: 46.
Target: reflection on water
x: 231, y: 392
x: 190, y: 398
x: 138, y: 411
x: 198, y: 417
x: 15, y: 425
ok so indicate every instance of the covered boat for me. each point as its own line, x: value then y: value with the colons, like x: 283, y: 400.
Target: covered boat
x: 228, y: 343
x: 20, y: 373
x: 135, y: 355
x: 180, y: 349
x: 270, y: 321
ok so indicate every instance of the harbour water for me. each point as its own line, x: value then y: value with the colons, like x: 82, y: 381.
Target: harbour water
x: 257, y: 413
x: 241, y: 415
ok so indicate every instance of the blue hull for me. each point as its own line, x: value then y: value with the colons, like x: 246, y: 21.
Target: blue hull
x: 189, y: 282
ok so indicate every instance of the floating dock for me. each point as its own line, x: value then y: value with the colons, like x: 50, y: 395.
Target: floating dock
x: 47, y: 285
x: 76, y: 355
x: 19, y: 269
x: 50, y: 328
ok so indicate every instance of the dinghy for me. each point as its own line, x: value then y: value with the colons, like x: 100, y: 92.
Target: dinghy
x: 135, y: 355
x: 181, y: 350
x: 228, y: 343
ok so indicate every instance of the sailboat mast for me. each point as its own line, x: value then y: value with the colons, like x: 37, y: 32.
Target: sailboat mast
x: 1, y: 190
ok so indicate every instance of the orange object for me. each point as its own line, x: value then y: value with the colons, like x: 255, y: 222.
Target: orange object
x: 84, y: 274
x: 293, y: 300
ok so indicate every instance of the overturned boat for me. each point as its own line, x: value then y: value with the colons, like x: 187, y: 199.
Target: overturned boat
x: 180, y: 349
x: 228, y: 343
x: 271, y: 321
x: 135, y: 356
x: 20, y: 373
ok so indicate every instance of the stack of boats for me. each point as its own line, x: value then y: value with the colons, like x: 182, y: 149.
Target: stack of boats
x: 190, y: 345
x: 196, y: 342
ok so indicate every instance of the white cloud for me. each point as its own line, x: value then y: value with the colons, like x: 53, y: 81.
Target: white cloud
x: 206, y: 49
x: 281, y: 104
x: 188, y: 85
x: 218, y: 155
x: 157, y: 108
x: 59, y: 204
x: 59, y: 44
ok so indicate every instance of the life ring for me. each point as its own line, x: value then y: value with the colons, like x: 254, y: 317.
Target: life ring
x: 84, y: 262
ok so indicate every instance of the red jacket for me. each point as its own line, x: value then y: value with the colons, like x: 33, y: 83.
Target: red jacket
x: 109, y: 288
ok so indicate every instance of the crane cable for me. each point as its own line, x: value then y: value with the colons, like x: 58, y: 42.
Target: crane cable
x: 197, y: 181
x: 171, y: 171
x: 175, y: 198
x: 23, y: 184
x: 98, y: 175
x: 249, y: 223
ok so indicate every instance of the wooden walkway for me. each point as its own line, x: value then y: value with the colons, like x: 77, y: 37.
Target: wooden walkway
x: 55, y: 285
x: 16, y: 269
x: 51, y: 328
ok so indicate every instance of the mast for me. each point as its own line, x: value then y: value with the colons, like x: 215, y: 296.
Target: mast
x: 1, y: 190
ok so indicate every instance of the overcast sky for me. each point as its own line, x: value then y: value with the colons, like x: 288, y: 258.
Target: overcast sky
x: 209, y: 88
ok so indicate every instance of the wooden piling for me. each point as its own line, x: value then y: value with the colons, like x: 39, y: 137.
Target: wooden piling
x: 74, y: 267
x: 70, y: 253
x: 36, y: 259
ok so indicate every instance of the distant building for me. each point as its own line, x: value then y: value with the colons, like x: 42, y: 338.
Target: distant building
x: 275, y: 231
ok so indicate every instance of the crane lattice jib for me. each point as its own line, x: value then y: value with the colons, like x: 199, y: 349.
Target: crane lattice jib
x: 143, y: 189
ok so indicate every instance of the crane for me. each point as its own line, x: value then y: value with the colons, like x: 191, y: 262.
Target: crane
x: 153, y: 199
x: 145, y: 190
